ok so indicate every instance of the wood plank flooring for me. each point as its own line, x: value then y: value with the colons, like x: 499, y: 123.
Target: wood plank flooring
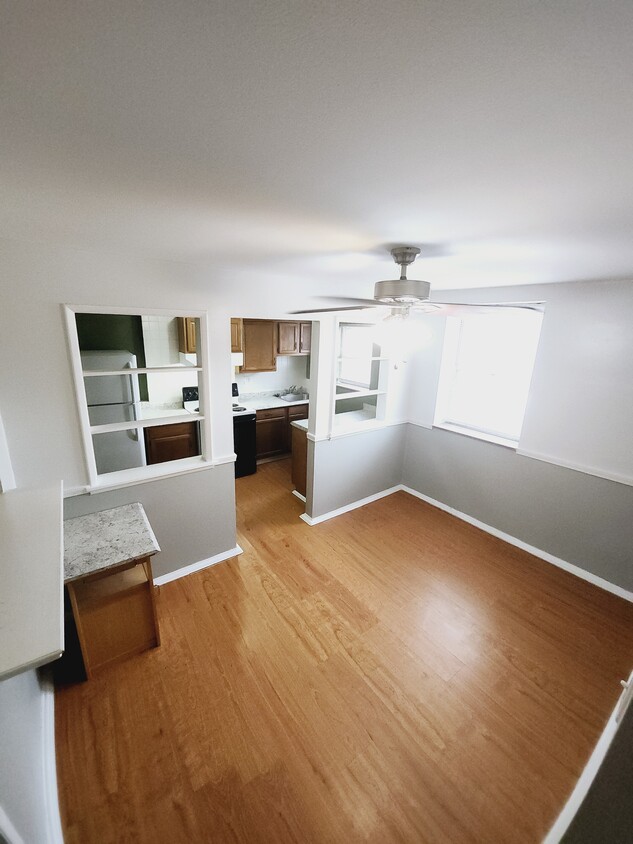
x: 393, y: 675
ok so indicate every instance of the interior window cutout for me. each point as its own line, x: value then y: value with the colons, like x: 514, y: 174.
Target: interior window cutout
x: 133, y: 373
x: 360, y: 384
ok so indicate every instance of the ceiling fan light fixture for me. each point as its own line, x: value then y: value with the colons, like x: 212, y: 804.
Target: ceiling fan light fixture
x: 402, y: 291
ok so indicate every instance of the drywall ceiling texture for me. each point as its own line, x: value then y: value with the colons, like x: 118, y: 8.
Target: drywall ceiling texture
x: 297, y: 137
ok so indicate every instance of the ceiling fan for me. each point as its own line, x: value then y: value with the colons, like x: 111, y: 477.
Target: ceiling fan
x: 405, y: 294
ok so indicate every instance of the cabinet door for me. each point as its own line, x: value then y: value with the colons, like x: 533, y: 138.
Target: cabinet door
x: 260, y: 345
x: 236, y: 336
x: 272, y: 432
x: 288, y: 338
x: 187, y: 335
x: 171, y: 442
x: 305, y: 337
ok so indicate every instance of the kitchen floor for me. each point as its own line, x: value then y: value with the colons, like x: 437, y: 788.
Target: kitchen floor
x: 390, y: 675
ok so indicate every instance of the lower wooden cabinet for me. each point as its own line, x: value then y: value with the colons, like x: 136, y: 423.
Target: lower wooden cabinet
x: 171, y: 442
x: 271, y: 429
x: 115, y: 614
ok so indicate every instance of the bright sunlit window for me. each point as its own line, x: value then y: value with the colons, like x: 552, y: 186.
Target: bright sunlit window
x: 486, y: 372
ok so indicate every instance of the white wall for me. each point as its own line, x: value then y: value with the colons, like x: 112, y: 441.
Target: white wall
x: 290, y: 371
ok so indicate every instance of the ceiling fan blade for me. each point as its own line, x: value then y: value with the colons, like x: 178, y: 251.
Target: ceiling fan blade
x: 334, y: 310
x: 468, y: 309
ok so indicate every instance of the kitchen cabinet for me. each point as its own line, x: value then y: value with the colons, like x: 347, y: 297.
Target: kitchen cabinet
x: 237, y: 336
x: 299, y: 459
x: 259, y: 345
x: 305, y: 337
x: 187, y: 335
x: 272, y: 431
x: 171, y: 442
x: 294, y: 338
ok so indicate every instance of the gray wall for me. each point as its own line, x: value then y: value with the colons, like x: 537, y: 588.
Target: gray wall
x: 23, y: 787
x: 349, y: 468
x: 582, y: 519
x: 193, y: 515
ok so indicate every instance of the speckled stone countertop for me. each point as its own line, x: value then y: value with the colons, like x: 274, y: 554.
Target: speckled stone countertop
x: 109, y: 538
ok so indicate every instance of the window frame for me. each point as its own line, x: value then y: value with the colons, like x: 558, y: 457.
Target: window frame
x: 448, y: 368
x: 129, y: 477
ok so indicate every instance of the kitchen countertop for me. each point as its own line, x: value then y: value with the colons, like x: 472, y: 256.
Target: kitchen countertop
x: 302, y: 424
x: 109, y: 538
x: 32, y: 598
x: 268, y: 402
x: 149, y: 411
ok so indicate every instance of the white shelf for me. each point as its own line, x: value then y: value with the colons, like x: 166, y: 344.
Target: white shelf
x: 361, y: 357
x: 358, y: 394
x: 146, y: 370
x: 32, y: 598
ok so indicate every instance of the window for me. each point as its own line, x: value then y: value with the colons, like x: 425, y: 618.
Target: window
x: 486, y: 371
x: 133, y: 371
x: 360, y: 386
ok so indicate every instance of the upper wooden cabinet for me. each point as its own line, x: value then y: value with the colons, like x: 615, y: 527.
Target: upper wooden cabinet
x: 187, y: 335
x: 237, y: 336
x: 259, y: 337
x: 305, y: 338
x: 293, y: 338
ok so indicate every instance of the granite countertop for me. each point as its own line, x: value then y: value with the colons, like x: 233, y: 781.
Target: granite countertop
x: 109, y: 538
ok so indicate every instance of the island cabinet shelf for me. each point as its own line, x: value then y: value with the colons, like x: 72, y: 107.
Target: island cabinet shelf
x: 115, y: 614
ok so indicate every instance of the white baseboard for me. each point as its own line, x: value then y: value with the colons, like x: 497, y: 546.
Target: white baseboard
x: 518, y: 543
x: 299, y: 496
x: 201, y: 564
x: 353, y: 506
x: 49, y: 766
x: 594, y: 579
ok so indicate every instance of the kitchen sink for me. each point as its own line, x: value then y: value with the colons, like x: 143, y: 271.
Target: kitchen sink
x: 294, y: 397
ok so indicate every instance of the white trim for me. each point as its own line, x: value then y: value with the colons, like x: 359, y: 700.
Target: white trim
x: 49, y: 767
x: 583, y: 785
x: 7, y: 830
x: 577, y: 467
x: 139, y: 370
x: 353, y: 506
x: 367, y: 427
x: 7, y: 477
x: 299, y: 496
x: 136, y: 480
x: 518, y: 543
x: 506, y: 442
x: 201, y: 564
x: 153, y: 422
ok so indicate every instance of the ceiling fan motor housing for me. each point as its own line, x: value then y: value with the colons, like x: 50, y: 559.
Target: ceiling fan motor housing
x: 405, y: 291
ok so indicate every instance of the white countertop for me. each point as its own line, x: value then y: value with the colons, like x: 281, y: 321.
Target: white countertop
x: 149, y: 411
x: 268, y: 402
x: 31, y: 597
x: 300, y: 423
x: 105, y: 539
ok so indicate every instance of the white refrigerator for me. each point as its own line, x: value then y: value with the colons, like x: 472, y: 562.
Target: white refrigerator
x: 114, y: 398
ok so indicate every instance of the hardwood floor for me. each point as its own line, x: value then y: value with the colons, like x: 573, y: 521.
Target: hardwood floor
x: 391, y: 675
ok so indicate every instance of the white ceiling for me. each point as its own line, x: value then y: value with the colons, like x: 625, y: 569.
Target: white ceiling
x: 300, y: 136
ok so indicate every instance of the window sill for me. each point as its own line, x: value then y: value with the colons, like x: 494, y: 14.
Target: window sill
x: 478, y: 435
x: 147, y: 474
